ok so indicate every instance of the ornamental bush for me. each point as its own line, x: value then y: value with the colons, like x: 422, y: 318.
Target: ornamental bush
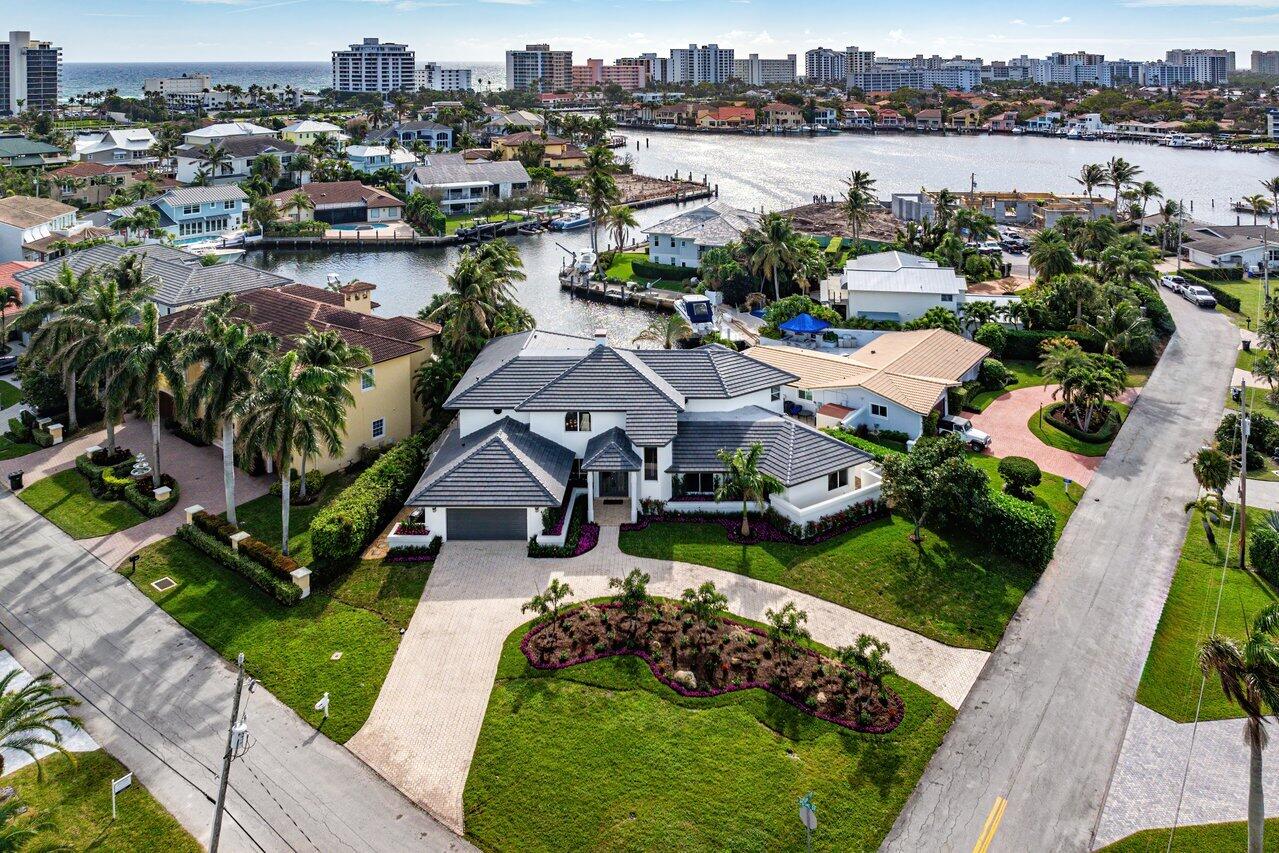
x: 1018, y: 529
x: 1020, y: 476
x: 143, y: 501
x: 265, y: 555
x: 992, y: 375
x: 1263, y: 552
x: 992, y: 336
x: 1024, y: 344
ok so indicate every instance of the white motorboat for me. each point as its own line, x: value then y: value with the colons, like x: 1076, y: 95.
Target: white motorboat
x: 698, y: 311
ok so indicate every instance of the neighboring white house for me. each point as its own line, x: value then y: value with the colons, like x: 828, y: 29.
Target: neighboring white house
x: 241, y: 152
x: 1211, y: 245
x: 462, y: 186
x: 890, y: 383
x: 225, y: 130
x: 131, y: 146
x: 897, y: 286
x: 542, y: 414
x: 26, y: 221
x: 682, y: 240
x: 370, y: 158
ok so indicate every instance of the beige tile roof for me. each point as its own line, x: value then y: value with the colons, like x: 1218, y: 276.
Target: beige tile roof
x: 24, y: 211
x: 931, y: 353
x: 814, y: 369
x: 913, y: 392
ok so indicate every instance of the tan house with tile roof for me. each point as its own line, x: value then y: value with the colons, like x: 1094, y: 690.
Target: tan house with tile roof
x: 385, y: 409
x: 892, y: 382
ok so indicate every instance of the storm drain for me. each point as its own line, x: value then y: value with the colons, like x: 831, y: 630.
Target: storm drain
x: 164, y: 584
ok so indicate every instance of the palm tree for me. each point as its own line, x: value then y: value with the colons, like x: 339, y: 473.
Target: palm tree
x: 264, y: 212
x: 859, y: 200
x: 665, y: 330
x: 1050, y: 255
x: 618, y: 219
x: 742, y: 478
x: 978, y: 313
x: 29, y: 716
x: 1209, y: 510
x: 7, y: 298
x: 774, y: 249
x: 230, y: 356
x: 1213, y: 470
x: 44, y: 319
x: 1250, y: 679
x: 299, y: 202
x: 147, y: 360
x: 480, y: 286
x: 598, y: 186
x: 1119, y: 174
x: 869, y: 656
x: 339, y: 363
x: 214, y: 158
x: 1271, y: 185
x: 548, y: 603
x: 1122, y: 327
x: 1259, y: 204
x: 1090, y: 177
x: 1147, y: 190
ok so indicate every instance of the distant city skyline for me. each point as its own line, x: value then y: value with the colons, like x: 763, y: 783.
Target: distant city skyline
x: 197, y: 31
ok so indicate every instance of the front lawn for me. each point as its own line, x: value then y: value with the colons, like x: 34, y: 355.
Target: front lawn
x: 10, y: 394
x: 12, y: 449
x: 1245, y: 359
x: 1051, y: 491
x: 1258, y: 402
x: 1041, y: 426
x: 604, y: 756
x: 65, y: 500
x: 261, y: 517
x: 1249, y: 294
x: 76, y: 799
x: 1171, y: 678
x: 956, y: 591
x: 466, y: 220
x: 621, y: 269
x: 289, y: 649
x: 1027, y: 375
x: 1196, y: 838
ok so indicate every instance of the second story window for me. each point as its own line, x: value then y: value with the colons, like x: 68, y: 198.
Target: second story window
x: 650, y: 463
x: 228, y: 205
x: 577, y: 421
x: 366, y: 379
x: 191, y: 209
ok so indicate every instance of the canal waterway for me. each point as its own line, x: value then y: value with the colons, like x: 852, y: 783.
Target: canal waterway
x: 771, y: 173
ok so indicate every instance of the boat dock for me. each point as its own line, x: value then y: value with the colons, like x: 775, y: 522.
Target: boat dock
x: 653, y: 298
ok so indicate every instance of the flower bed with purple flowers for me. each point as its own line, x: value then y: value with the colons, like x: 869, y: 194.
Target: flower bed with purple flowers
x: 415, y: 553
x: 582, y: 537
x: 709, y: 659
x: 769, y: 526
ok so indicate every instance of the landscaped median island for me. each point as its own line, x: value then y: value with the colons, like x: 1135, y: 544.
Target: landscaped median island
x: 1055, y: 427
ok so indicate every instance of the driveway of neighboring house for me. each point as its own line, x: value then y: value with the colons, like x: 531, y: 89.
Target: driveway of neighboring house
x: 426, y: 722
x: 1005, y: 420
x: 198, y: 471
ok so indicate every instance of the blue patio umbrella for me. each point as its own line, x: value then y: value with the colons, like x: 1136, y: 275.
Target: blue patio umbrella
x: 804, y: 324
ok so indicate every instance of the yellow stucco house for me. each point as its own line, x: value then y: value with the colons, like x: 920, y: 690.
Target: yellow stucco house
x: 305, y: 131
x: 385, y: 409
x: 556, y: 153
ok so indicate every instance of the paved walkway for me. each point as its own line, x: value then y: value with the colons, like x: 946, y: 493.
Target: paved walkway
x: 157, y: 699
x: 1147, y: 782
x: 198, y: 471
x: 1005, y: 421
x: 426, y: 722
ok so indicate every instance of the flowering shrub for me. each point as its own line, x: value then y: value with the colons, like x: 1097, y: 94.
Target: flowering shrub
x: 770, y: 526
x: 582, y: 537
x: 412, y: 528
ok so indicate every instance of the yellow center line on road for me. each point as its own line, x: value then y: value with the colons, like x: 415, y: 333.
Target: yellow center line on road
x: 991, y: 826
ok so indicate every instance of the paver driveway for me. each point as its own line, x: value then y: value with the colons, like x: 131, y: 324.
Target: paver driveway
x: 1005, y: 420
x: 426, y: 722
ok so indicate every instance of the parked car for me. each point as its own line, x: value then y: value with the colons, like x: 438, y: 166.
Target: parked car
x: 1014, y: 246
x: 962, y: 427
x: 1175, y: 283
x: 990, y: 247
x: 8, y: 364
x: 1198, y: 295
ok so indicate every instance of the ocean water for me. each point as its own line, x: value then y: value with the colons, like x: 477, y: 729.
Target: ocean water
x: 79, y: 78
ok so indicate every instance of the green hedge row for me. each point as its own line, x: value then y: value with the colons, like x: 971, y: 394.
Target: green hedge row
x: 650, y: 270
x: 347, y: 524
x: 1217, y: 274
x: 1263, y: 552
x: 1227, y: 300
x: 285, y: 592
x: 149, y: 506
x: 1019, y: 529
x: 1108, y: 430
x: 266, y: 556
x: 1024, y: 344
x: 878, y: 451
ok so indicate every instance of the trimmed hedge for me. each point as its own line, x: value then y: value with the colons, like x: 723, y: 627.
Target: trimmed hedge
x: 1020, y: 476
x: 1023, y: 344
x: 285, y: 592
x: 1018, y: 529
x: 266, y: 556
x: 877, y: 451
x: 1217, y: 274
x: 343, y: 528
x: 1263, y: 552
x: 147, y: 505
x: 1107, y: 432
x: 650, y: 270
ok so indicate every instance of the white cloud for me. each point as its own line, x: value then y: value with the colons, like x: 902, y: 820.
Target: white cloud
x: 1017, y: 22
x: 896, y: 36
x: 749, y: 37
x: 1064, y: 19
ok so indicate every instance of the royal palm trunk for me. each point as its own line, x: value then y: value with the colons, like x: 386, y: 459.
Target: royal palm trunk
x: 285, y: 487
x: 72, y: 423
x: 155, y: 449
x: 228, y: 467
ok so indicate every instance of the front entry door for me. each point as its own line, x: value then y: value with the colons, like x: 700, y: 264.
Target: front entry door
x: 614, y: 484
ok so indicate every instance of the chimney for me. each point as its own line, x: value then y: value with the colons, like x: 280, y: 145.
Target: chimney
x: 601, y: 338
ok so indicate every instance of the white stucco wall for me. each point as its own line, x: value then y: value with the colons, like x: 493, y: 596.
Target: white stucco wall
x: 907, y: 306
x: 550, y: 425
x: 683, y: 253
x: 899, y: 418
x: 469, y: 420
x: 757, y: 398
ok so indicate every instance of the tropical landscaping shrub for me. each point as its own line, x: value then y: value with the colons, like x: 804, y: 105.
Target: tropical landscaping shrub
x: 142, y: 497
x: 790, y: 307
x: 265, y: 555
x: 992, y: 374
x: 582, y: 536
x: 1263, y: 551
x: 19, y: 430
x: 314, y: 485
x: 1020, y: 476
x: 992, y: 336
x: 215, y: 525
x: 415, y: 553
x: 342, y: 529
x: 1025, y: 344
x: 1106, y: 431
x: 1019, y: 529
x: 282, y: 590
x: 768, y: 526
x: 647, y: 271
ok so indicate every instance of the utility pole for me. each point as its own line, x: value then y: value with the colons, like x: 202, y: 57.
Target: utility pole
x: 231, y: 738
x: 1243, y: 475
x: 1265, y: 264
x: 1181, y: 210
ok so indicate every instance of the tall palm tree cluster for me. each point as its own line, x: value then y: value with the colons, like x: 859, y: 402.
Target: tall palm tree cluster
x: 1121, y: 177
x: 1086, y: 381
x: 100, y: 330
x: 771, y: 255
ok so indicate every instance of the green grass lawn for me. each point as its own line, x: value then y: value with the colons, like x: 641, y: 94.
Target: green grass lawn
x: 12, y: 450
x: 603, y: 756
x: 1200, y: 838
x: 288, y: 648
x: 1051, y: 491
x: 1246, y: 358
x: 10, y: 394
x: 1257, y: 402
x: 1050, y: 435
x: 1249, y: 293
x: 1027, y: 375
x: 622, y: 269
x: 65, y: 500
x: 465, y: 220
x: 261, y: 517
x: 1170, y: 680
x: 76, y: 798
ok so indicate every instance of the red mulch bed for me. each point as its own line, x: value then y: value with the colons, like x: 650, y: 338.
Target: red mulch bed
x: 724, y: 658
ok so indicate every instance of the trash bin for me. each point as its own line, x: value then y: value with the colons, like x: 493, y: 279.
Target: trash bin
x: 15, y: 480
x: 1247, y: 345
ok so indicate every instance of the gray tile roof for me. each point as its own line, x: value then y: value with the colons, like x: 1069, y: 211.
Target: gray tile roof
x: 243, y: 146
x: 454, y: 169
x: 610, y: 451
x: 502, y: 464
x: 793, y: 452
x: 712, y: 372
x: 202, y: 195
x: 545, y: 356
x: 714, y: 224
x: 613, y: 380
x: 179, y: 277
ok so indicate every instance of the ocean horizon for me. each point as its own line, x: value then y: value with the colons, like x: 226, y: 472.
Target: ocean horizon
x: 79, y: 78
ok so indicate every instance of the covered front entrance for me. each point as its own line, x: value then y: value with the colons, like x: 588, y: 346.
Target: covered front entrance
x: 614, y: 484
x: 612, y: 468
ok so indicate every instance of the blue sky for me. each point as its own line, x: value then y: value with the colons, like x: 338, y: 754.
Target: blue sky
x: 481, y: 30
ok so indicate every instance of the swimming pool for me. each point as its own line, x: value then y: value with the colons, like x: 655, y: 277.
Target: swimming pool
x: 360, y: 226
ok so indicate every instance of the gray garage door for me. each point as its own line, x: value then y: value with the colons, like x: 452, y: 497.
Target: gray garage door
x: 487, y: 524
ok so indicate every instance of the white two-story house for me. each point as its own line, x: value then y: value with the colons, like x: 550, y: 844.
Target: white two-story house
x: 682, y: 240
x: 546, y: 418
x: 370, y: 158
x: 241, y: 153
x: 896, y: 286
x: 463, y: 186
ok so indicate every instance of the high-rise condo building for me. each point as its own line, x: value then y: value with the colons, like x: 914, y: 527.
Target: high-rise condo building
x: 765, y: 72
x: 30, y: 74
x: 540, y: 68
x: 1265, y: 62
x: 373, y: 66
x: 1210, y: 66
x: 431, y: 76
x: 825, y: 65
x: 709, y: 63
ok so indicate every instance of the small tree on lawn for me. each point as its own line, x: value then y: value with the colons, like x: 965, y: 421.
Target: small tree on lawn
x: 1213, y: 469
x: 1020, y: 476
x: 786, y: 629
x: 935, y: 476
x: 744, y: 479
x: 868, y: 656
x: 702, y: 606
x: 632, y: 595
x: 549, y: 603
x: 1209, y: 513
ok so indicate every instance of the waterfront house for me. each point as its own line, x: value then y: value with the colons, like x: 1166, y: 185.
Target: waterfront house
x: 18, y: 152
x: 438, y: 137
x: 781, y: 115
x: 27, y: 224
x: 180, y: 279
x: 370, y: 158
x: 965, y: 119
x: 726, y: 117
x: 929, y: 119
x: 306, y: 131
x: 341, y: 202
x: 825, y: 116
x: 241, y: 152
x: 462, y: 186
x: 502, y: 123
x: 91, y: 184
x: 556, y: 153
x: 544, y: 419
x: 897, y: 286
x: 1044, y: 122
x: 682, y: 240
x: 132, y: 146
x: 189, y: 214
x: 891, y: 119
x: 385, y: 409
x: 1006, y: 207
x: 858, y: 118
x: 225, y: 130
x: 1242, y: 247
x: 677, y: 114
x: 892, y: 381
x: 1005, y: 122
